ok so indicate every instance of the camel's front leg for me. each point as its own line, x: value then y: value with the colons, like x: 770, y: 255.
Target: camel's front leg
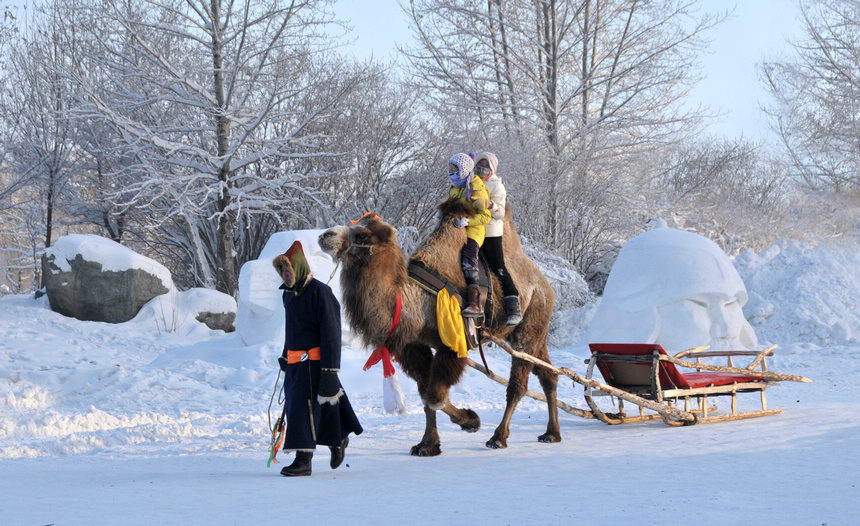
x: 467, y: 419
x: 429, y: 445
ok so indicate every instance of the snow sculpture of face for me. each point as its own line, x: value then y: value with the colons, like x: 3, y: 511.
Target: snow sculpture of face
x: 676, y: 289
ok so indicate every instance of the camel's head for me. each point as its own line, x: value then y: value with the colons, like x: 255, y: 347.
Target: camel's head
x: 358, y: 240
x: 334, y: 241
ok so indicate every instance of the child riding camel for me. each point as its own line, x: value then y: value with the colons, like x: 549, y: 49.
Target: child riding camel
x: 485, y: 168
x: 470, y: 189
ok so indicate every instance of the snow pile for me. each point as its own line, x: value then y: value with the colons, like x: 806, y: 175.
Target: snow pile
x: 181, y: 310
x: 800, y: 293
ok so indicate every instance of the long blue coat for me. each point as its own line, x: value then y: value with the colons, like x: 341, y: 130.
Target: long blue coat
x: 313, y: 320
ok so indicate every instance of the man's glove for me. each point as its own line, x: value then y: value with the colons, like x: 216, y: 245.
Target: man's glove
x: 330, y: 390
x: 461, y: 222
x: 282, y: 363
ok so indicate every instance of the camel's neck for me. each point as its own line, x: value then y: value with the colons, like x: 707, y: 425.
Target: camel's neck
x: 370, y: 292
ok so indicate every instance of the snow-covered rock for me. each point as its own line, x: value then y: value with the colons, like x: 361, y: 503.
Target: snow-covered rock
x: 177, y: 311
x: 92, y: 278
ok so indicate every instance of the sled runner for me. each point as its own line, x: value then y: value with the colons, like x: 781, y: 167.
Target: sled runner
x: 646, y: 376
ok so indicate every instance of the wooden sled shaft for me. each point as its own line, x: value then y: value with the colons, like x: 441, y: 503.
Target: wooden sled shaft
x: 531, y: 394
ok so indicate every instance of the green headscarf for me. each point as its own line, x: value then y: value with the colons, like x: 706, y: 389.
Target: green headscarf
x: 295, y: 257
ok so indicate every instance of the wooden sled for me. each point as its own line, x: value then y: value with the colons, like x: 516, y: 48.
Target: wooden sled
x: 646, y: 376
x: 647, y: 371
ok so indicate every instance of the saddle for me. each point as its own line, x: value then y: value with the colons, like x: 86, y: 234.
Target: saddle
x: 428, y: 280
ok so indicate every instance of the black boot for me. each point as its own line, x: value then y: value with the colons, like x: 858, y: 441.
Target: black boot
x: 473, y: 295
x: 515, y: 315
x: 301, y: 466
x: 473, y: 302
x: 337, y: 453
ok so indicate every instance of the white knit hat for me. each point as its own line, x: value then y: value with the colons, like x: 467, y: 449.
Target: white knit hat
x: 491, y: 158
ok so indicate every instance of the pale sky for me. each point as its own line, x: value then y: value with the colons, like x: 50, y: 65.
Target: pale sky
x: 757, y: 30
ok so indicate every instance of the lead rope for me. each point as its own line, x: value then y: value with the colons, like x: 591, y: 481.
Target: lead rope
x: 336, y: 265
x: 481, y: 348
x: 311, y: 399
x: 280, y: 425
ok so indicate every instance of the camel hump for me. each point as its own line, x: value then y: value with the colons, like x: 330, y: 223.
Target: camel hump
x: 453, y: 207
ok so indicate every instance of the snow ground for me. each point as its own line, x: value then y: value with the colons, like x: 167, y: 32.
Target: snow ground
x: 127, y: 424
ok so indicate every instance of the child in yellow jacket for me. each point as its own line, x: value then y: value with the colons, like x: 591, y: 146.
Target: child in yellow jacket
x: 470, y: 189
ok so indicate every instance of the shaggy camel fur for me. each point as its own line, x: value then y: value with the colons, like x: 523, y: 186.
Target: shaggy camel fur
x: 375, y: 270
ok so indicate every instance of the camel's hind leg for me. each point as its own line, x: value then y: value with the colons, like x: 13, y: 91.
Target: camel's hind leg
x: 549, y: 382
x: 517, y: 386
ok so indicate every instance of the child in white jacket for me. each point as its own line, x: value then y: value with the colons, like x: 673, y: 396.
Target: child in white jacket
x: 485, y: 168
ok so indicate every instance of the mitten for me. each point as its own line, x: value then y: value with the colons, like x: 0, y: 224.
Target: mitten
x: 330, y: 390
x: 282, y: 363
x: 461, y: 222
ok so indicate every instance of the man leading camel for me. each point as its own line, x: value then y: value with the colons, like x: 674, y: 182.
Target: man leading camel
x: 317, y: 409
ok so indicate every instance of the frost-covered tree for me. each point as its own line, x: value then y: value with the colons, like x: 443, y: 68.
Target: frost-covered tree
x: 815, y: 107
x: 10, y: 182
x: 41, y: 155
x: 573, y: 93
x: 731, y: 191
x: 43, y: 150
x: 390, y: 163
x: 213, y: 100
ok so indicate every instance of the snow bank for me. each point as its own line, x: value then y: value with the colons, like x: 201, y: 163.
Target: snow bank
x: 800, y: 293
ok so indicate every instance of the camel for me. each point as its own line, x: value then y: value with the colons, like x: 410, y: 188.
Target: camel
x: 374, y: 271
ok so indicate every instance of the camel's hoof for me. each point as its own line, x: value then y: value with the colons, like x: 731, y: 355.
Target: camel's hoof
x: 496, y: 443
x: 471, y: 423
x: 549, y: 438
x: 422, y: 450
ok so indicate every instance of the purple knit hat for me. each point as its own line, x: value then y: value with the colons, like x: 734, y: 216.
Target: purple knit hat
x: 464, y: 176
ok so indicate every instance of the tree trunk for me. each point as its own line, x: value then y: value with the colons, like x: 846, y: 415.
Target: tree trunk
x: 226, y: 280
